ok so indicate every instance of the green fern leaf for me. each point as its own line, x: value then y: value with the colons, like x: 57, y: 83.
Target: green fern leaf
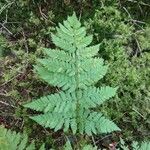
x: 89, y: 52
x: 67, y: 146
x: 95, y: 96
x: 10, y: 140
x: 59, y: 102
x: 31, y: 147
x: 97, y: 123
x: 145, y: 146
x: 89, y: 147
x: 85, y: 147
x: 57, y: 55
x: 75, y: 69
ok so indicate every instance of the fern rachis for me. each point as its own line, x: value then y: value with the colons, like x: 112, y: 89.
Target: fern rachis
x: 73, y: 68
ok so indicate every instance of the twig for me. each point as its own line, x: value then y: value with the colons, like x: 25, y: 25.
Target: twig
x: 6, y: 28
x: 22, y: 124
x: 7, y: 104
x: 137, y: 21
x: 2, y: 94
x: 42, y: 14
x: 131, y: 19
x: 127, y: 12
x: 138, y: 113
x: 10, y: 80
x: 103, y: 138
x: 25, y: 42
x: 93, y: 141
x: 5, y: 6
x: 11, y: 22
x: 141, y: 3
x: 80, y: 14
x: 138, y: 45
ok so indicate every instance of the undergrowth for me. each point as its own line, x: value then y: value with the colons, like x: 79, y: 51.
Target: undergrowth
x: 24, y: 33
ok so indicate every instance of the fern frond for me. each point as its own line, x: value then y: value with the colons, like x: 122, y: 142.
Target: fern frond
x: 63, y: 74
x: 89, y: 147
x: 74, y: 67
x: 84, y: 42
x: 56, y: 121
x: 56, y: 79
x: 59, y: 102
x: 67, y: 146
x: 57, y: 55
x: 104, y: 125
x: 92, y: 74
x: 95, y: 96
x: 144, y: 146
x: 97, y: 123
x: 90, y: 51
x: 56, y: 66
x: 85, y: 147
x: 10, y: 140
x: 63, y: 44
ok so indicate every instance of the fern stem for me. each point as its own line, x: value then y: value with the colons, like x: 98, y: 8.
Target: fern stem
x: 77, y: 87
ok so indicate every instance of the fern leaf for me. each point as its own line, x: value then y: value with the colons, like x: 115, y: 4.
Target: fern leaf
x: 67, y: 146
x: 56, y: 79
x: 145, y: 146
x: 73, y: 125
x: 73, y: 20
x: 56, y: 66
x: 135, y: 145
x: 59, y: 102
x: 95, y: 96
x: 10, y: 140
x: 31, y: 147
x: 56, y: 120
x: 42, y: 147
x: 22, y: 144
x: 89, y: 147
x: 85, y: 147
x: 104, y: 125
x: 81, y: 33
x: 86, y: 41
x: 97, y: 123
x: 73, y: 67
x: 64, y: 34
x: 63, y: 44
x: 57, y: 55
x: 90, y: 51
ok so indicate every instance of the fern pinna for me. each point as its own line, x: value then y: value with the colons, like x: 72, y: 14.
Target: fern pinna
x: 11, y: 140
x: 73, y: 67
